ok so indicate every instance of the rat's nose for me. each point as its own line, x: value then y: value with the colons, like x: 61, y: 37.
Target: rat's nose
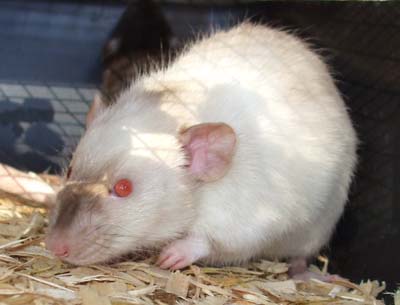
x: 58, y: 247
x: 61, y: 250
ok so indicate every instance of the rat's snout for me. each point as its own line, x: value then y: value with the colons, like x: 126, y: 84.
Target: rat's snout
x: 77, y: 232
x: 58, y: 245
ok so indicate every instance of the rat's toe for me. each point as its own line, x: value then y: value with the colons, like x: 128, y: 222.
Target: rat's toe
x: 182, y: 253
x: 169, y: 260
x: 174, y: 258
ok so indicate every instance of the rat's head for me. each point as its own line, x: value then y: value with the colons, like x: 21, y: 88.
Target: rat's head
x: 130, y: 189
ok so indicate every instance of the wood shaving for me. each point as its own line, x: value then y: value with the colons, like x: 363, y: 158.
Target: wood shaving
x: 29, y: 274
x: 178, y: 284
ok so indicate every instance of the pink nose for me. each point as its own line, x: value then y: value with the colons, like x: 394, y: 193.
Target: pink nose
x: 60, y: 250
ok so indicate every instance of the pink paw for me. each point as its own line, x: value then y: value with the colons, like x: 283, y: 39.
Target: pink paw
x: 181, y: 253
x: 171, y: 258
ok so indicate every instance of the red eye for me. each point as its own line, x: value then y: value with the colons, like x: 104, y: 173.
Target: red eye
x: 123, y: 188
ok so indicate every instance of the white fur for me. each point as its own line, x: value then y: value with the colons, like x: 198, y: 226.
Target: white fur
x: 295, y: 155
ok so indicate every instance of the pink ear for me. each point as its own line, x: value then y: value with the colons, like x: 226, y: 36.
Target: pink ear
x: 94, y: 109
x: 210, y: 147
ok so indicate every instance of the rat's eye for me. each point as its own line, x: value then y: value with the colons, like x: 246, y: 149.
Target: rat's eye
x: 69, y: 172
x: 123, y: 188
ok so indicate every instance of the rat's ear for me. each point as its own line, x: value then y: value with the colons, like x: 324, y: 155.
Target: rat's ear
x: 95, y: 108
x: 210, y: 148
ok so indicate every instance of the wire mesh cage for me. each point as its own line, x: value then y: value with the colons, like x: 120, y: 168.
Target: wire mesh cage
x: 55, y: 53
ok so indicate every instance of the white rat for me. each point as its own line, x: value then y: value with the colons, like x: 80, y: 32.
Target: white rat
x: 241, y: 149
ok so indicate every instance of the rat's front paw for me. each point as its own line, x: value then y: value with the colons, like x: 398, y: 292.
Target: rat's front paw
x: 172, y: 257
x: 182, y: 253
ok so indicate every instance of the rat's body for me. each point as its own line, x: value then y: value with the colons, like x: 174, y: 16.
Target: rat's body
x: 264, y: 172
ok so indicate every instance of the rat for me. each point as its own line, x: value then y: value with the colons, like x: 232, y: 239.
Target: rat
x: 141, y: 41
x: 241, y: 149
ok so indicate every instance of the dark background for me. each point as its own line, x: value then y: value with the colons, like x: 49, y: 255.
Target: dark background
x: 50, y: 55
